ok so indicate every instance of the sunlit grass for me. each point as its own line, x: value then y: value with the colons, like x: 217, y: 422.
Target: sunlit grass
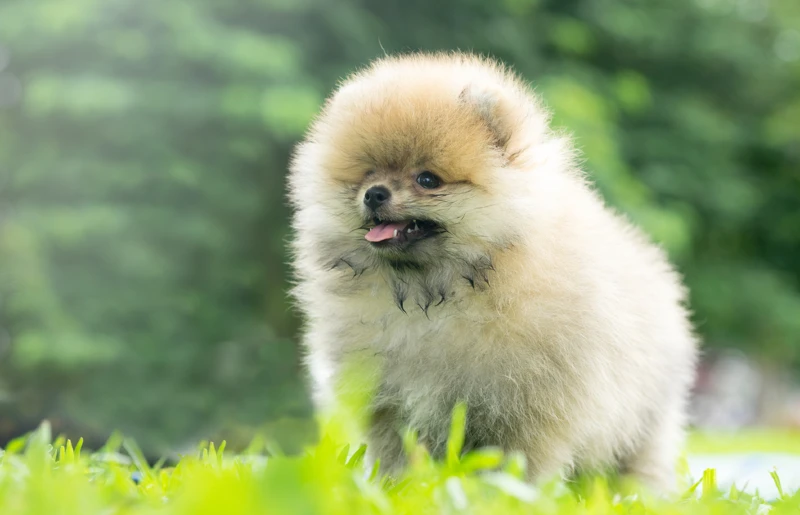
x: 39, y: 475
x: 745, y: 441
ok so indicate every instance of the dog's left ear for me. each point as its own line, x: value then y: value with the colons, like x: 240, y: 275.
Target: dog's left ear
x: 494, y: 108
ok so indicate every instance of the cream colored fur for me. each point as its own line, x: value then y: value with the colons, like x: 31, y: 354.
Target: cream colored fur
x: 555, y: 320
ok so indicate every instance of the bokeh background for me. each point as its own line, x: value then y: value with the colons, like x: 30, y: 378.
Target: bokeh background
x: 144, y: 147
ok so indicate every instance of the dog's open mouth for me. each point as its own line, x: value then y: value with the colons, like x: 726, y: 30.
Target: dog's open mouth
x: 404, y: 231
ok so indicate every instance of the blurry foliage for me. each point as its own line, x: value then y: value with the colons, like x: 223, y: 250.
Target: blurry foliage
x: 143, y: 149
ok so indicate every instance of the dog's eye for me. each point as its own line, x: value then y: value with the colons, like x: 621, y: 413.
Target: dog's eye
x: 427, y: 180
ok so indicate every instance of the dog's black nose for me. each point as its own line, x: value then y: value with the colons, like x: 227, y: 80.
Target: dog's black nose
x: 376, y: 196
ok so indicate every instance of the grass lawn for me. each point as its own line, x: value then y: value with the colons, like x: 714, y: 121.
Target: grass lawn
x: 43, y: 478
x: 748, y: 440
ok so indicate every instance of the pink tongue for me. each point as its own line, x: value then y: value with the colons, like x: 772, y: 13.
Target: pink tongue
x: 384, y: 232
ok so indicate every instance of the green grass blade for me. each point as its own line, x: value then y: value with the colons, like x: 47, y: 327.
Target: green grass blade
x: 455, y: 442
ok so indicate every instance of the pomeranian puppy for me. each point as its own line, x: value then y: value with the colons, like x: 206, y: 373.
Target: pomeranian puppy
x: 447, y: 243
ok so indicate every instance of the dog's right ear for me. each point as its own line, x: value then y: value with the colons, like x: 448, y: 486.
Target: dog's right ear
x: 494, y: 109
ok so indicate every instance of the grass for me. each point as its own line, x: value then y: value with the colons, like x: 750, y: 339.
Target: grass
x: 785, y: 441
x: 39, y: 475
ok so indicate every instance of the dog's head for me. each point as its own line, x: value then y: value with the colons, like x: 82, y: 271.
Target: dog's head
x: 420, y: 165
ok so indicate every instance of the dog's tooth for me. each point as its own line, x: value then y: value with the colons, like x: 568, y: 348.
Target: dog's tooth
x: 395, y: 233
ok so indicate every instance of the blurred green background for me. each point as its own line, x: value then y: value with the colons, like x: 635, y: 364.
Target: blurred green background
x: 144, y: 146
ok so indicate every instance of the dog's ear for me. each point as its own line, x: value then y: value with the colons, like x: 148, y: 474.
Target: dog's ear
x: 495, y: 110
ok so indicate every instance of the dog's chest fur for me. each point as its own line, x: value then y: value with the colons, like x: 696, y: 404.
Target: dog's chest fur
x: 426, y: 363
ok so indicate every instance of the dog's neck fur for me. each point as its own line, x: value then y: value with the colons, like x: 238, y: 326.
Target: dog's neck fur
x: 414, y: 284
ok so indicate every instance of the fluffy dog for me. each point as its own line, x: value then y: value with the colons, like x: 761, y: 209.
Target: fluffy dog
x: 446, y: 242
